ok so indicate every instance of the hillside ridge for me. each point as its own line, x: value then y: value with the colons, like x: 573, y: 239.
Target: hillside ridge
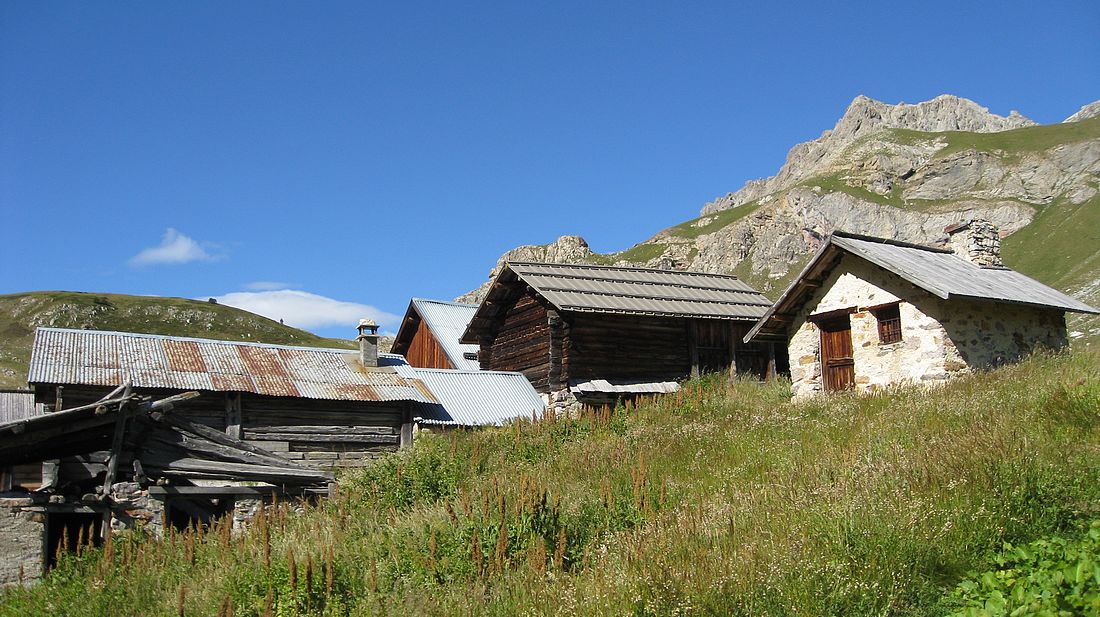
x: 21, y: 313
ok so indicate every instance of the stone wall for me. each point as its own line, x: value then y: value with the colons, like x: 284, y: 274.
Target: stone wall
x: 939, y: 338
x: 22, y: 541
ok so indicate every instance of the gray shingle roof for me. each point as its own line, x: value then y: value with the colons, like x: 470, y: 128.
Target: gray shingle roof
x: 642, y: 291
x: 935, y: 270
x: 942, y: 273
x: 92, y: 357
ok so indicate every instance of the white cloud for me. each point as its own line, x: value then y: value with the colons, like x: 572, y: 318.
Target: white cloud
x: 267, y: 286
x: 174, y: 248
x: 302, y: 309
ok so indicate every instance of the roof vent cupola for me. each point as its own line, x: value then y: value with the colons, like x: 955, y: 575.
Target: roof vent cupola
x: 977, y: 241
x: 368, y: 342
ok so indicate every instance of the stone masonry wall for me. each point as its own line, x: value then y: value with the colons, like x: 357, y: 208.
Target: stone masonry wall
x: 22, y: 541
x: 939, y: 338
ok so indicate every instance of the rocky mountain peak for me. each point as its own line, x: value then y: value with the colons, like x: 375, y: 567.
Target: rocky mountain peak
x: 863, y: 117
x: 1092, y: 110
x: 564, y: 250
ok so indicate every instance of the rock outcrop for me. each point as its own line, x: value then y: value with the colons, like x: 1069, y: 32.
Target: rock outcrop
x: 869, y: 176
x: 1092, y: 110
x: 565, y: 250
x: 864, y: 117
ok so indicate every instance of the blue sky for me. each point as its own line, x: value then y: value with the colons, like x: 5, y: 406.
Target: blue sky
x: 322, y: 160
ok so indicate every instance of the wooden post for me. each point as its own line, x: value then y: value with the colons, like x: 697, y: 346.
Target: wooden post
x: 485, y: 352
x: 406, y: 430
x: 734, y: 343
x: 770, y: 372
x: 116, y: 448
x: 58, y: 400
x: 693, y: 348
x: 557, y: 336
x: 233, y: 414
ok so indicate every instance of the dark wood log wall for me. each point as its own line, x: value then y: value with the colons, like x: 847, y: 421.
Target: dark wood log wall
x: 625, y: 347
x: 426, y: 352
x: 322, y: 433
x: 522, y: 343
x: 319, y: 433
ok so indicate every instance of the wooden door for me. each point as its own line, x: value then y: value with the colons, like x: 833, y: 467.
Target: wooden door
x: 837, y: 366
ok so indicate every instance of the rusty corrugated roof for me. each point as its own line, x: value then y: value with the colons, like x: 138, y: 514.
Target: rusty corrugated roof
x: 93, y: 357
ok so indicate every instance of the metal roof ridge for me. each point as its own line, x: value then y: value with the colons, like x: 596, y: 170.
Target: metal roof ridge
x: 461, y: 371
x: 444, y: 302
x: 624, y: 268
x: 191, y: 339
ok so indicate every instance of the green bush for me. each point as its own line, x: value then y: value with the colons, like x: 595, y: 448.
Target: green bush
x: 1052, y: 576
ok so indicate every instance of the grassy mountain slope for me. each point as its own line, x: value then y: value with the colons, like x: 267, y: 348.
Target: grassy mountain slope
x: 720, y: 500
x: 21, y: 313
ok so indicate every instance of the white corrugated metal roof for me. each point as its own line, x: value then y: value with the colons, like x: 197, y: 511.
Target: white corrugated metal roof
x: 18, y: 405
x: 92, y: 357
x: 606, y: 387
x: 447, y: 321
x: 474, y: 398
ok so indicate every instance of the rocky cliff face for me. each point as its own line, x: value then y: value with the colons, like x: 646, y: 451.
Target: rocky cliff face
x: 566, y: 250
x: 864, y: 117
x: 896, y: 171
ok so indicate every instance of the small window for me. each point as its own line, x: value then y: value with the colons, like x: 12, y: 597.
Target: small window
x: 889, y: 324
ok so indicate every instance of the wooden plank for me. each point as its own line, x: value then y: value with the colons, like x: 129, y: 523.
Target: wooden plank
x: 319, y: 429
x: 218, y: 437
x: 324, y: 438
x: 217, y: 469
x: 233, y: 415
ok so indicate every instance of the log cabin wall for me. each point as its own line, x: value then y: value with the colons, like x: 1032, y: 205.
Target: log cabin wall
x: 625, y: 347
x: 424, y: 351
x: 320, y: 433
x: 522, y: 342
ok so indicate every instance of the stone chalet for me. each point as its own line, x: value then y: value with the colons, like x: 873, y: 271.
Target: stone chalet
x: 867, y: 313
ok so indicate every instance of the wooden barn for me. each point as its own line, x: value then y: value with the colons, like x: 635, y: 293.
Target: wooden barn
x: 430, y: 332
x: 599, y: 330
x: 152, y: 430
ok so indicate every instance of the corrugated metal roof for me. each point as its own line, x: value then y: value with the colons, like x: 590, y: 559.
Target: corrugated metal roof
x: 936, y: 270
x: 606, y: 387
x: 92, y: 357
x: 947, y: 275
x: 447, y: 321
x: 474, y: 398
x: 642, y: 291
x: 18, y: 405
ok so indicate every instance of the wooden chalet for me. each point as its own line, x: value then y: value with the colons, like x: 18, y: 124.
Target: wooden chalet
x: 430, y: 332
x: 599, y: 329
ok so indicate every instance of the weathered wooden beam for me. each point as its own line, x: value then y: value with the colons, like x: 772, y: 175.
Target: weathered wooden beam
x: 325, y: 438
x: 220, y: 438
x: 216, y: 469
x: 233, y: 415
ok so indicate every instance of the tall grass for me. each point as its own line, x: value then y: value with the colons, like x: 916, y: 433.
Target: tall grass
x: 720, y: 499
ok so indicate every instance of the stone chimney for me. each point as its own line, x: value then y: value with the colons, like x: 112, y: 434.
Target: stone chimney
x: 368, y: 342
x: 977, y: 241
